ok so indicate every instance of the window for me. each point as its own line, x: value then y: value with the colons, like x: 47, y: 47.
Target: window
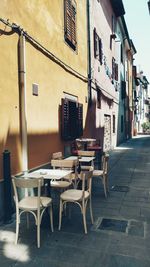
x: 114, y: 122
x: 72, y: 119
x: 114, y: 69
x: 98, y: 53
x: 70, y: 23
x: 98, y: 98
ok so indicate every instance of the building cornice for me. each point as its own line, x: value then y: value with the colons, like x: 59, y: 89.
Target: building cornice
x: 118, y: 7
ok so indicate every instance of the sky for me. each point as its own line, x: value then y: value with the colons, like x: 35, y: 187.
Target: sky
x: 137, y: 18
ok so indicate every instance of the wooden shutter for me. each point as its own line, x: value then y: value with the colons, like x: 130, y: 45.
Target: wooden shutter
x: 73, y: 116
x: 65, y: 119
x: 113, y: 68
x: 116, y: 71
x: 70, y: 22
x: 98, y: 98
x: 100, y: 51
x: 73, y: 25
x: 96, y: 48
x: 72, y: 119
x: 80, y: 120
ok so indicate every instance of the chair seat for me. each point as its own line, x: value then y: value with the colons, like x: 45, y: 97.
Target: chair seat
x: 97, y: 172
x: 60, y: 184
x: 73, y: 195
x: 85, y: 168
x: 30, y: 203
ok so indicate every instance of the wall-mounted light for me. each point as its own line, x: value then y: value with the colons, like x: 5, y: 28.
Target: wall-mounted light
x: 113, y: 36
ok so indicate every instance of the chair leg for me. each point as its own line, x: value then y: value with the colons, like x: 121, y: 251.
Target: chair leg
x: 38, y: 229
x: 27, y: 220
x: 91, y: 211
x: 60, y: 214
x: 51, y: 218
x: 17, y: 227
x: 107, y: 183
x: 38, y: 235
x: 84, y: 217
x: 105, y: 189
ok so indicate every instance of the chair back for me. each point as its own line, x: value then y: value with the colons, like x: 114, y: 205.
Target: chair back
x: 64, y: 164
x: 57, y: 155
x: 86, y: 153
x: 27, y: 184
x: 67, y: 165
x: 86, y: 177
x: 105, y: 159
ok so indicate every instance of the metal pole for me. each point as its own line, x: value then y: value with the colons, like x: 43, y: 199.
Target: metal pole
x: 22, y: 72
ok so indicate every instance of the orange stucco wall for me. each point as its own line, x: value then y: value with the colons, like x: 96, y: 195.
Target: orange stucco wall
x: 43, y: 20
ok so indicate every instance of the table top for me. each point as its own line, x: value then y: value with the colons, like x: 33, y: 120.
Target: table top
x: 82, y: 159
x: 51, y: 174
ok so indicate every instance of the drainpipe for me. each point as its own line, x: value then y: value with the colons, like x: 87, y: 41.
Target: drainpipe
x: 89, y: 53
x: 23, y: 109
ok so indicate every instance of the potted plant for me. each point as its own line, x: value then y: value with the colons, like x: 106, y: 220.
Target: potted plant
x: 145, y: 126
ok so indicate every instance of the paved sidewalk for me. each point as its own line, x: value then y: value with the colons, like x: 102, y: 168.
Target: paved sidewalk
x: 120, y: 236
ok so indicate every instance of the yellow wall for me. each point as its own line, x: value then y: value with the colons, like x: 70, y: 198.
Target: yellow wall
x: 43, y: 20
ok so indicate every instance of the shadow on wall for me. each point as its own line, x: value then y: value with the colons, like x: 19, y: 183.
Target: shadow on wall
x: 12, y: 144
x: 90, y: 125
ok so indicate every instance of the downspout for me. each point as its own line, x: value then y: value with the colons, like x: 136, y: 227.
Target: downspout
x: 89, y: 53
x: 23, y: 110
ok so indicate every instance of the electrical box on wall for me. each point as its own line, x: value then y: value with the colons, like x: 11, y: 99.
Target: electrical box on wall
x: 35, y: 89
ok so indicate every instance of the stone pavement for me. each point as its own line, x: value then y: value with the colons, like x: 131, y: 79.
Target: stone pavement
x: 120, y: 236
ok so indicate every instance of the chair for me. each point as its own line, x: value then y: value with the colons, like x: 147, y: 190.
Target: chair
x: 103, y: 174
x: 79, y: 197
x: 96, y: 146
x: 35, y: 205
x: 57, y: 155
x: 83, y: 153
x: 69, y: 179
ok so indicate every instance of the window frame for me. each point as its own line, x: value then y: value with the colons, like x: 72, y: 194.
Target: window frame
x: 70, y: 23
x: 98, y: 98
x: 98, y: 48
x: 71, y: 119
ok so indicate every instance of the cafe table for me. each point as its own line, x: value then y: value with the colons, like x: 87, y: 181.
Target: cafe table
x: 52, y: 175
x: 82, y: 159
x: 48, y: 174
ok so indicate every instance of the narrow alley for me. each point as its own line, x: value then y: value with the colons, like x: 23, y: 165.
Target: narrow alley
x: 120, y: 236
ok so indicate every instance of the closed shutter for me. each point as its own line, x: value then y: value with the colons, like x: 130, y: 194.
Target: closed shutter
x: 73, y: 25
x: 72, y: 119
x: 65, y: 119
x: 80, y: 119
x: 113, y: 68
x: 100, y: 52
x: 96, y: 48
x: 116, y: 71
x: 70, y: 22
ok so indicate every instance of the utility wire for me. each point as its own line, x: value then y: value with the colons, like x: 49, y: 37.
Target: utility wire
x: 20, y: 30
